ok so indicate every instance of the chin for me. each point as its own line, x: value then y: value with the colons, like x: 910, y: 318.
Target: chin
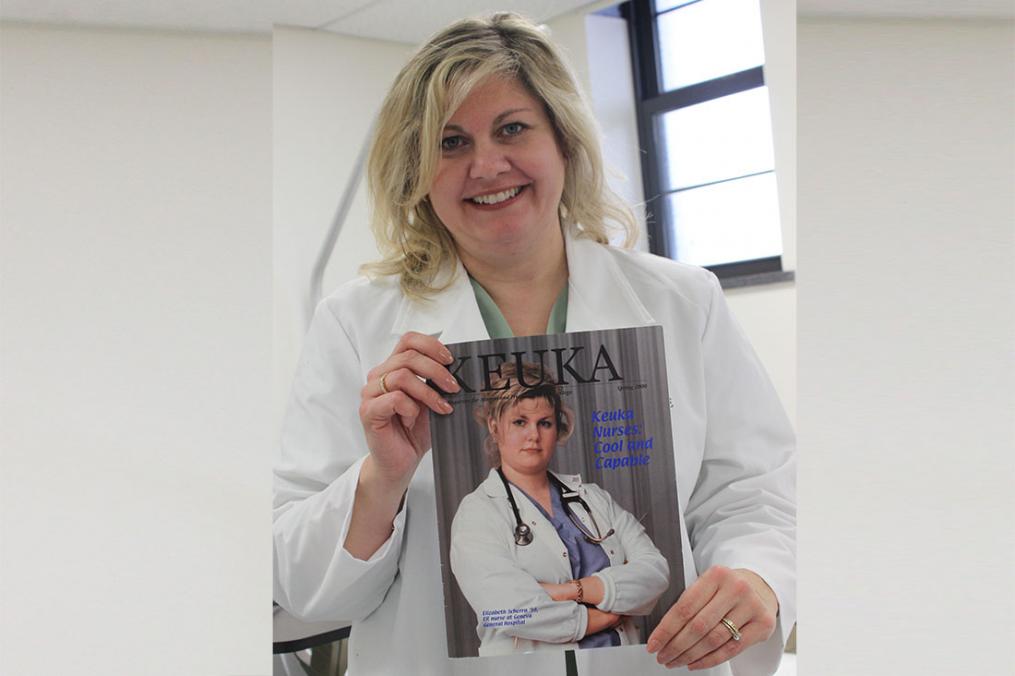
x: 514, y: 233
x: 531, y: 467
x: 510, y: 234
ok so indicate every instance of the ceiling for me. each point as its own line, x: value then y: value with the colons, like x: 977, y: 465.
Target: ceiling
x: 409, y: 21
x: 915, y: 9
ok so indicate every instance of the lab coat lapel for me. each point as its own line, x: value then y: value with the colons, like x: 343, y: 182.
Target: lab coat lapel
x: 600, y: 516
x: 452, y: 315
x: 545, y: 537
x: 599, y: 295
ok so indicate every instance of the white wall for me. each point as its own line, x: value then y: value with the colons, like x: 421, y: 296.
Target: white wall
x: 778, y: 25
x: 907, y: 289
x: 136, y: 309
x: 610, y: 87
x: 768, y: 313
x: 327, y: 91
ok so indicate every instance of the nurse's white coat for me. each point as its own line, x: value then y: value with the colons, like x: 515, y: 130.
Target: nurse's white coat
x: 494, y: 573
x: 735, y: 464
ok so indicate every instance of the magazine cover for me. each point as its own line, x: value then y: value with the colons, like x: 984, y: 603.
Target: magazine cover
x: 556, y: 493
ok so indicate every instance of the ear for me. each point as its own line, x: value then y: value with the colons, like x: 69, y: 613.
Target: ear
x: 491, y: 426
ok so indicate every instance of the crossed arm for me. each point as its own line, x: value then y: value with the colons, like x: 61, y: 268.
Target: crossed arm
x: 491, y: 580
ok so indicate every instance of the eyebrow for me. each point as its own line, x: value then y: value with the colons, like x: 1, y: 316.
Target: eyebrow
x: 497, y: 120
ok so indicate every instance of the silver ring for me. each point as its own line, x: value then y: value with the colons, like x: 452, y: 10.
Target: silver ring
x: 384, y: 387
x: 734, y: 632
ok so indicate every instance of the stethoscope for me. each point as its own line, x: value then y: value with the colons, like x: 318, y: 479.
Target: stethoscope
x: 523, y: 534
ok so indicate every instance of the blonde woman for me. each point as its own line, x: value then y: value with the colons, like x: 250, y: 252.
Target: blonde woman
x: 491, y: 214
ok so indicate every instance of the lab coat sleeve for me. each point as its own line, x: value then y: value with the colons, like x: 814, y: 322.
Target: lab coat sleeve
x: 634, y: 587
x: 322, y: 450
x: 492, y: 581
x: 742, y: 512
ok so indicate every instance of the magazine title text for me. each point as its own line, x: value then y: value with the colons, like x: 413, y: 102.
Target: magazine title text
x: 478, y: 374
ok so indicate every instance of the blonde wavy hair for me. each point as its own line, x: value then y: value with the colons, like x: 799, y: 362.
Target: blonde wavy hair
x: 509, y: 387
x: 413, y: 242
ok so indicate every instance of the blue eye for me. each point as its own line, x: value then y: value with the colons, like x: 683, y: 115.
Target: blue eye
x: 513, y: 128
x: 452, y: 143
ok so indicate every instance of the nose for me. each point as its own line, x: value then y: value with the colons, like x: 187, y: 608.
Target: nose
x: 488, y: 161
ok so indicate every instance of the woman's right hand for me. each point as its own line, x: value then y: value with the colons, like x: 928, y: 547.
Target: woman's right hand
x: 393, y: 412
x: 394, y: 403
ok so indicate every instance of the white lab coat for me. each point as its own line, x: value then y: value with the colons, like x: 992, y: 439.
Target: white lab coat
x: 735, y: 463
x: 495, y: 573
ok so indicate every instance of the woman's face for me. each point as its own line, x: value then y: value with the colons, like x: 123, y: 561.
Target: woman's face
x: 526, y: 436
x: 501, y: 173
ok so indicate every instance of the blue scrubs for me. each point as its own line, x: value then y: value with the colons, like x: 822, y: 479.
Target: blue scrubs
x: 586, y: 558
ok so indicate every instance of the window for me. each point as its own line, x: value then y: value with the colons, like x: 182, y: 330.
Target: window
x: 705, y: 130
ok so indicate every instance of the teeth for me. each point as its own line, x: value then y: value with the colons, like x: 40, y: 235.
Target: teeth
x: 498, y: 197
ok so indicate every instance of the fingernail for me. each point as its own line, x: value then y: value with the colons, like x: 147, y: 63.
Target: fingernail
x: 446, y: 407
x: 451, y: 385
x: 653, y: 645
x: 446, y: 354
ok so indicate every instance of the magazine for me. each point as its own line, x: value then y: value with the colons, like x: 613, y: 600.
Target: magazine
x: 556, y: 493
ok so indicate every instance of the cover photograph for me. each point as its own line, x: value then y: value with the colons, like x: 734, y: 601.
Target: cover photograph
x: 556, y: 493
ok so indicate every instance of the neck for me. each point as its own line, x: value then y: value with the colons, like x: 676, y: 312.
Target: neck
x: 530, y: 483
x: 524, y: 282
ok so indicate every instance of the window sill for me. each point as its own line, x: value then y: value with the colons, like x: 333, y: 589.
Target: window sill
x: 758, y: 279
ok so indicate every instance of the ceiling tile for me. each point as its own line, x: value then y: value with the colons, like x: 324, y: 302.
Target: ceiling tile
x: 410, y: 21
x: 204, y: 15
x: 414, y: 22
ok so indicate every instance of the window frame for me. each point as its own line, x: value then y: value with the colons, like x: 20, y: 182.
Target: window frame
x: 650, y: 102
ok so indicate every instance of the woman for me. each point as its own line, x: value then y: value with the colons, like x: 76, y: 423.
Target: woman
x: 491, y: 215
x: 586, y: 572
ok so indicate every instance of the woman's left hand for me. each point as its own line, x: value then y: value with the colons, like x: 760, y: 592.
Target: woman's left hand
x: 559, y: 592
x: 691, y: 632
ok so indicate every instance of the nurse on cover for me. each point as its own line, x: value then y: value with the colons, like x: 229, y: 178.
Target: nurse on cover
x: 544, y: 560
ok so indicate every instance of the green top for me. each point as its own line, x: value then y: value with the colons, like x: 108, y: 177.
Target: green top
x: 498, y: 327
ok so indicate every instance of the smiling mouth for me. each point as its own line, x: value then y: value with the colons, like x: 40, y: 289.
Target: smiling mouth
x: 498, y: 197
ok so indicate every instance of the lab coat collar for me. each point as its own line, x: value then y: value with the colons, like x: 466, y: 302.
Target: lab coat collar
x: 599, y: 297
x: 452, y: 315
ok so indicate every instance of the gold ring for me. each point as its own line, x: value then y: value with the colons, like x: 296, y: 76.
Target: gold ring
x: 384, y: 387
x: 734, y: 632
